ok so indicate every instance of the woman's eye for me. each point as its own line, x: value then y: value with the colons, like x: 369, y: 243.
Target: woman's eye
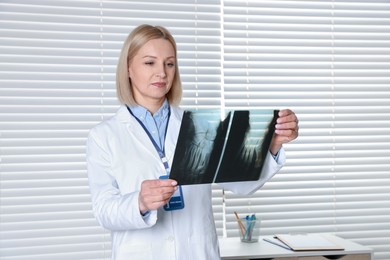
x: 149, y: 63
x: 170, y: 64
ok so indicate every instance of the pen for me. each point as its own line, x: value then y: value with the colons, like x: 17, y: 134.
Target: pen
x: 242, y: 228
x: 250, y: 226
x: 276, y: 242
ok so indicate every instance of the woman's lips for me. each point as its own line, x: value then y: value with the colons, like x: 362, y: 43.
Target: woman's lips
x: 159, y: 84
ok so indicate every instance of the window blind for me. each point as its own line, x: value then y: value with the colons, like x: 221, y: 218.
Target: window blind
x: 51, y: 94
x: 329, y: 62
x: 57, y: 78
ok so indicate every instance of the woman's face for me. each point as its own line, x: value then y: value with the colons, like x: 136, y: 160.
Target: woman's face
x: 152, y: 71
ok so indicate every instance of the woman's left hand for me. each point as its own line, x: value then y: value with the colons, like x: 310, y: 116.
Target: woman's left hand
x: 286, y: 130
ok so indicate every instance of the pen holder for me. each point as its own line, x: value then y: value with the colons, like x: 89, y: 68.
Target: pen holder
x: 249, y: 230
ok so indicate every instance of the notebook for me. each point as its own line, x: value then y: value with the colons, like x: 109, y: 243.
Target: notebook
x: 307, y: 242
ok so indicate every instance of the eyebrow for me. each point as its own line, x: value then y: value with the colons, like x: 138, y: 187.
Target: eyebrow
x: 154, y: 57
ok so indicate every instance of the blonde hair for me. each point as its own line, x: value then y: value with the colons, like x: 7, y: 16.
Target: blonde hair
x: 134, y: 42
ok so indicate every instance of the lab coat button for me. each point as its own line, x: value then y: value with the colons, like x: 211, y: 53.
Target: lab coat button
x: 170, y: 238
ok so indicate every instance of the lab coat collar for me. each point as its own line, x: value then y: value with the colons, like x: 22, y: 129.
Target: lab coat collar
x: 123, y: 114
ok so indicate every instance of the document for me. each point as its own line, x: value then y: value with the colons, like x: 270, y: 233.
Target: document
x: 214, y: 148
x: 306, y: 242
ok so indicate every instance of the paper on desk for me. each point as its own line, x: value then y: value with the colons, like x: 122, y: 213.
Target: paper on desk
x: 302, y: 242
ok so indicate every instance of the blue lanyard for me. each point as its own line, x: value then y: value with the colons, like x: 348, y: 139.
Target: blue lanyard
x: 161, y: 152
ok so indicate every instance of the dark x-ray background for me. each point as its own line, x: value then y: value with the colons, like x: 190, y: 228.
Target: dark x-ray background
x: 213, y: 150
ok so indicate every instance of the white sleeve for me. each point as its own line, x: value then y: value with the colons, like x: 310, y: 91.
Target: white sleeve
x: 113, y: 210
x: 270, y: 168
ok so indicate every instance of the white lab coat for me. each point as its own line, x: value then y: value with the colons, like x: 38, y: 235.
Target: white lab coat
x: 119, y: 157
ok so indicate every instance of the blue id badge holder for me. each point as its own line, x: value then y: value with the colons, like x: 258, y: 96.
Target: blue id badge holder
x: 176, y: 201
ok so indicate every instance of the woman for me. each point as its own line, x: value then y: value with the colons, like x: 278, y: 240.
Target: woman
x: 128, y: 153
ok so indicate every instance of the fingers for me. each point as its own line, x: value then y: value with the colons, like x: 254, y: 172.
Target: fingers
x: 155, y: 193
x: 285, y: 136
x: 286, y: 127
x: 286, y: 116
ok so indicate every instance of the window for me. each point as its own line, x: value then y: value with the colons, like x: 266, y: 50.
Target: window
x: 329, y: 61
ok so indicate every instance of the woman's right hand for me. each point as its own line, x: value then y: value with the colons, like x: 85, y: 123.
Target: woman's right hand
x: 155, y: 194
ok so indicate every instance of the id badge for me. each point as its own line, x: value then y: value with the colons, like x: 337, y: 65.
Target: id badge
x: 176, y: 201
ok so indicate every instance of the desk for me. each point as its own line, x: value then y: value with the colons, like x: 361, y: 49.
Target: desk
x: 233, y: 248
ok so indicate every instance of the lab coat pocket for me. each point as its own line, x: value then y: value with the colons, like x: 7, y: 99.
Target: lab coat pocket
x: 136, y: 251
x: 204, y: 247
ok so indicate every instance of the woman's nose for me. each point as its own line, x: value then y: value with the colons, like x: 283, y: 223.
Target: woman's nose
x: 161, y: 71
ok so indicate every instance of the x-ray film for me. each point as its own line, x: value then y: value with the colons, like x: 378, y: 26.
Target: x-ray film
x: 212, y: 150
